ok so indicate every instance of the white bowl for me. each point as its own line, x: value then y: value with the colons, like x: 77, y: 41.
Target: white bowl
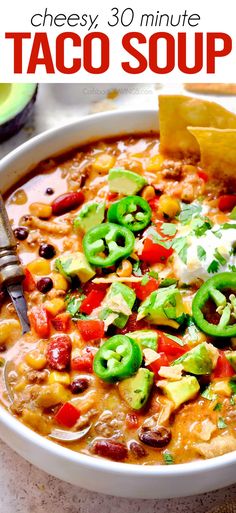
x: 99, y: 474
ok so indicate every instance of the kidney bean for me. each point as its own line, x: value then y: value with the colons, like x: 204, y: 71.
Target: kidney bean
x: 58, y: 352
x: 108, y: 448
x: 67, y: 202
x: 156, y: 437
x: 79, y: 385
x: 137, y: 450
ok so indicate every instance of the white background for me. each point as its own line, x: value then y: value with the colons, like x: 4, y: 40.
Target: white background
x: 215, y: 17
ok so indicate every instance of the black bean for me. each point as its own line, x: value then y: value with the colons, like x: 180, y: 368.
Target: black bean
x: 21, y: 233
x: 44, y: 285
x: 49, y: 191
x: 47, y: 251
x: 79, y: 385
x: 156, y: 437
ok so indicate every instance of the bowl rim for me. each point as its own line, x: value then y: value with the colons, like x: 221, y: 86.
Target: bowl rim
x: 26, y: 434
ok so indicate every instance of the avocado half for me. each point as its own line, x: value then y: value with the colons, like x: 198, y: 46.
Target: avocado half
x: 16, y: 103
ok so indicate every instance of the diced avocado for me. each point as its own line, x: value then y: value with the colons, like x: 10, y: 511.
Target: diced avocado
x: 163, y: 306
x: 90, y: 215
x: 146, y: 338
x: 74, y: 264
x: 119, y: 299
x: 181, y: 391
x: 136, y: 390
x: 201, y: 359
x: 125, y: 182
x: 231, y: 357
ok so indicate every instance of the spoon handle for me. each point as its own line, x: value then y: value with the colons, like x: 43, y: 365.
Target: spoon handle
x: 10, y: 267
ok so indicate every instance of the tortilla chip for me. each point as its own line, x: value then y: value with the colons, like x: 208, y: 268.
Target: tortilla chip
x: 218, y: 151
x: 211, y: 88
x: 177, y: 112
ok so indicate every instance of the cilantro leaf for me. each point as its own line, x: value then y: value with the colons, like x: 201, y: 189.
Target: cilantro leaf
x: 145, y: 279
x: 208, y: 394
x: 188, y: 211
x: 232, y: 384
x: 221, y: 423
x: 213, y: 267
x: 217, y: 407
x: 136, y: 268
x: 168, y: 458
x: 232, y: 268
x: 228, y: 226
x: 200, y: 226
x: 73, y: 304
x: 180, y: 245
x: 201, y: 253
x: 220, y: 257
x: 153, y: 274
x: 167, y: 282
x: 169, y: 229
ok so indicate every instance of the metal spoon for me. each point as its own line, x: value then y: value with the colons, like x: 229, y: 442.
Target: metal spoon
x: 69, y: 436
x: 11, y: 272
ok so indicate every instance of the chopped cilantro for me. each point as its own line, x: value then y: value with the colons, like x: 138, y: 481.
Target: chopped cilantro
x: 213, y: 267
x: 221, y: 423
x: 145, y: 279
x: 208, y: 394
x: 232, y: 268
x: 153, y: 274
x: 167, y: 282
x: 192, y: 329
x: 169, y: 229
x: 232, y: 384
x: 136, y: 268
x: 200, y: 226
x: 180, y: 245
x: 219, y: 257
x: 175, y: 339
x: 232, y: 400
x: 228, y: 226
x: 201, y: 253
x: 188, y: 211
x: 217, y: 407
x: 168, y: 458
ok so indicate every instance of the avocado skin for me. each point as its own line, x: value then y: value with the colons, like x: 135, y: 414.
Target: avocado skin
x: 136, y: 390
x: 13, y: 125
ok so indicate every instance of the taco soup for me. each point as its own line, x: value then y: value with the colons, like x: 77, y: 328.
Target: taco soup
x: 129, y: 252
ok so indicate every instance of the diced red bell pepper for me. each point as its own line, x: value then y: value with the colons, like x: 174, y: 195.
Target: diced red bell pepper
x: 132, y: 421
x: 29, y: 283
x: 223, y: 368
x: 92, y: 301
x: 40, y: 321
x: 155, y: 253
x: 62, y: 322
x: 111, y: 196
x: 91, y: 329
x: 171, y: 348
x: 67, y: 415
x: 154, y: 203
x: 90, y: 286
x: 227, y: 202
x: 133, y: 325
x: 83, y: 363
x: 203, y: 176
x: 161, y: 361
x: 143, y: 291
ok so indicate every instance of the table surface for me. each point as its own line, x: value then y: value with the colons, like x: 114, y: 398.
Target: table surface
x: 24, y: 488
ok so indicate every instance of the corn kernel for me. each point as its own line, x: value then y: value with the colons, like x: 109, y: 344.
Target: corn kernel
x: 103, y: 162
x: 155, y: 163
x: 36, y: 360
x: 41, y: 210
x: 148, y: 192
x: 19, y: 197
x: 59, y: 282
x: 59, y: 377
x: 50, y: 395
x: 7, y: 328
x: 55, y: 306
x: 39, y: 266
x: 169, y: 206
